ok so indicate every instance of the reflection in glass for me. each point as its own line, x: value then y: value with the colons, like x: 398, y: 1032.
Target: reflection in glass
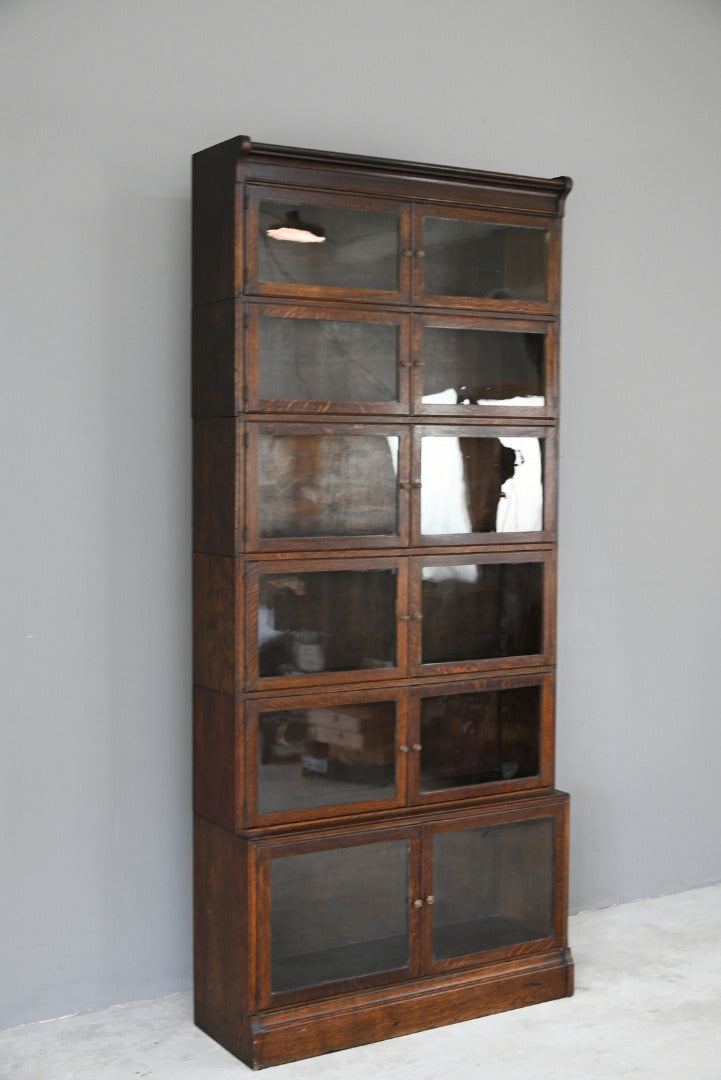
x: 327, y: 360
x: 326, y: 756
x: 360, y: 250
x: 326, y: 620
x: 493, y: 887
x: 327, y: 485
x: 481, y: 484
x: 464, y: 366
x: 478, y: 738
x: 293, y: 229
x: 481, y: 611
x: 339, y: 914
x: 483, y: 259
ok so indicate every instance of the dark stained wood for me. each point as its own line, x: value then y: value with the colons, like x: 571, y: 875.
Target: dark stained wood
x: 217, y: 361
x: 305, y: 1032
x: 297, y: 630
x: 217, y: 490
x: 223, y: 951
x: 346, y: 172
x: 233, y: 885
x: 548, y: 801
x: 218, y: 750
x: 216, y: 635
x: 217, y: 221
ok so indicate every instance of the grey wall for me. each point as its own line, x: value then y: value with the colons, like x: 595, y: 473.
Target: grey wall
x: 102, y: 106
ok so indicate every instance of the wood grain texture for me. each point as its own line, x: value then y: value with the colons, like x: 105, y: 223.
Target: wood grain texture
x: 217, y: 641
x: 218, y: 748
x: 234, y: 1002
x: 352, y: 172
x: 289, y: 1035
x: 223, y: 945
x: 217, y: 486
x: 217, y: 359
x: 306, y: 631
x: 217, y: 238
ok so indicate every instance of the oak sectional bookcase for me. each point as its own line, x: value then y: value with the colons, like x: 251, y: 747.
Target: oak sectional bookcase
x: 379, y: 847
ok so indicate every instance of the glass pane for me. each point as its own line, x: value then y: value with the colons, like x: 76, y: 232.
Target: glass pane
x: 493, y: 887
x: 480, y: 737
x: 483, y: 259
x: 481, y: 611
x: 326, y: 756
x: 327, y: 485
x: 327, y: 360
x: 359, y: 249
x: 482, y: 367
x: 326, y: 620
x: 339, y: 914
x: 481, y: 484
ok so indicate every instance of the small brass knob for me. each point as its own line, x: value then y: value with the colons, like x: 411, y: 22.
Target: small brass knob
x: 417, y: 903
x: 430, y: 899
x: 404, y: 749
x: 421, y: 254
x: 417, y: 746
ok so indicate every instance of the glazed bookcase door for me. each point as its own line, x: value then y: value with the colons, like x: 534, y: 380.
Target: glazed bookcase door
x: 329, y: 486
x: 337, y: 359
x: 469, y: 367
x: 320, y: 755
x: 477, y: 612
x: 340, y: 918
x: 485, y: 259
x: 480, y: 737
x: 330, y: 621
x: 364, y: 253
x: 481, y: 484
x: 496, y: 888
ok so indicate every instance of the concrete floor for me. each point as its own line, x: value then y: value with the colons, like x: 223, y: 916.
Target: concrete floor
x: 647, y: 1004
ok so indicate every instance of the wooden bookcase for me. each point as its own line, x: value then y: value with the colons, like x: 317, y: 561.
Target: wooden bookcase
x: 379, y: 847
